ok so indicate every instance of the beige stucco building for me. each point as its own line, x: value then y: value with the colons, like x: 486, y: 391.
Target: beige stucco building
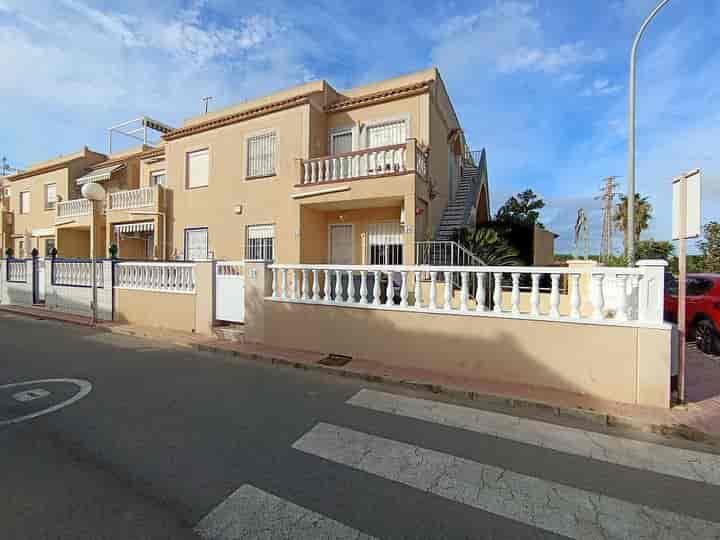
x: 310, y: 174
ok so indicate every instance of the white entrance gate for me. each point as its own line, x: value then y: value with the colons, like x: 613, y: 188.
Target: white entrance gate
x: 230, y: 291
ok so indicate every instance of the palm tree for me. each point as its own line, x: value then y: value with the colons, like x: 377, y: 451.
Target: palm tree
x: 489, y: 247
x: 643, y: 215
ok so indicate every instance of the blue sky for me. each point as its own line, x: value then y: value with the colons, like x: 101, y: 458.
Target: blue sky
x: 542, y: 84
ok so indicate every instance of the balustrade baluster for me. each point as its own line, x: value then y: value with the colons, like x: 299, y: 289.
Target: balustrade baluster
x: 464, y: 291
x: 376, y: 287
x: 315, y: 172
x: 554, y: 295
x: 634, y: 297
x: 403, y: 289
x: 274, y: 283
x: 515, y: 295
x: 448, y: 290
x: 575, y: 296
x: 305, y: 285
x: 315, y: 286
x: 403, y: 158
x: 598, y: 297
x: 621, y: 314
x: 338, y: 287
x: 433, y: 291
x: 327, y: 287
x: 535, y: 294
x: 418, y: 291
x: 306, y: 176
x: 283, y: 284
x: 497, y: 292
x: 350, y: 288
x: 480, y: 292
x: 389, y: 290
x: 363, y: 287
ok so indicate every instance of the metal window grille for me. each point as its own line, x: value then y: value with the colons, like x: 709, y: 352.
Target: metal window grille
x: 387, y: 133
x: 50, y: 196
x: 196, y: 244
x: 385, y: 243
x: 260, y: 244
x: 261, y: 155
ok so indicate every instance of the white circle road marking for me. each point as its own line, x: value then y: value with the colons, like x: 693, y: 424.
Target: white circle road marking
x: 85, y: 388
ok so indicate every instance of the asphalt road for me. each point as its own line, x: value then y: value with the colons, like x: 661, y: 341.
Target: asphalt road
x: 173, y: 443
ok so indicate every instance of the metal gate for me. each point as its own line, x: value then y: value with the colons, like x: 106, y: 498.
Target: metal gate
x: 230, y: 291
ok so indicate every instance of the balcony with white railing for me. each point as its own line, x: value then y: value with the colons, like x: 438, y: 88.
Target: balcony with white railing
x: 72, y: 209
x: 390, y: 160
x: 144, y: 197
x: 638, y: 290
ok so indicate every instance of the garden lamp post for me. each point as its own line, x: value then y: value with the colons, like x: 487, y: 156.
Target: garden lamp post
x: 94, y: 193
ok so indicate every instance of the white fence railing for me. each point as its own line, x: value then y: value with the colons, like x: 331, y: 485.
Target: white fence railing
x: 168, y: 277
x: 17, y: 271
x: 367, y: 162
x: 639, y: 290
x: 76, y: 273
x: 230, y: 268
x: 134, y: 198
x: 73, y: 208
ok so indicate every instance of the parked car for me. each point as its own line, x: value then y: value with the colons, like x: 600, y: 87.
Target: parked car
x: 702, y: 309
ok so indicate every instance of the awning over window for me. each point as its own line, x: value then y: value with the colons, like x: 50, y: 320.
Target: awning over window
x: 261, y: 231
x: 99, y: 175
x: 141, y: 226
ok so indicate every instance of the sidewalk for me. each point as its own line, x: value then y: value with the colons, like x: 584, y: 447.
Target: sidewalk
x: 699, y: 420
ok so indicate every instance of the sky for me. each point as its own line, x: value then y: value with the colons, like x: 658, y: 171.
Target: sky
x: 542, y: 85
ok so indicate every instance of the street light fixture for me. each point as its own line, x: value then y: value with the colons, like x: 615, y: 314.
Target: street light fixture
x: 630, y: 227
x: 94, y: 193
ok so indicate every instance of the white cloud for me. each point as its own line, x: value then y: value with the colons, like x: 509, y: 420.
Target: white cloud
x: 601, y: 87
x: 115, y: 25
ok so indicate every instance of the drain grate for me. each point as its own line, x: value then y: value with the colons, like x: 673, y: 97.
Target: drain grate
x: 335, y: 360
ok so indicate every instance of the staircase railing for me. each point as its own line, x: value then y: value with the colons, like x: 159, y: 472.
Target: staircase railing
x: 474, y: 159
x: 446, y: 253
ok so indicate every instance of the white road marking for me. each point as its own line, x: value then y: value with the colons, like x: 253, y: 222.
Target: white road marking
x: 255, y: 514
x: 84, y: 386
x: 688, y: 464
x: 547, y: 505
x: 30, y: 395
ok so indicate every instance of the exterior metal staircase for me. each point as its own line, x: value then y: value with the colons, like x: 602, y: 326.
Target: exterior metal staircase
x: 456, y: 214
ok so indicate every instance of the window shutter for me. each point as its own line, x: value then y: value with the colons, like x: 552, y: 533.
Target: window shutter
x: 50, y: 195
x: 386, y: 134
x: 196, y: 244
x: 198, y: 166
x: 25, y: 202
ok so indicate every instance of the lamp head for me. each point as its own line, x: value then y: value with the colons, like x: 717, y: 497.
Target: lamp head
x: 93, y: 192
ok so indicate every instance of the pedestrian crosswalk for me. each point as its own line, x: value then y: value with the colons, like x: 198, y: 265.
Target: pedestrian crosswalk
x: 557, y: 508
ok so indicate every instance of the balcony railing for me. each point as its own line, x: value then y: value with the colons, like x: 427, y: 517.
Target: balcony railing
x: 134, y: 198
x: 73, y: 208
x: 364, y: 163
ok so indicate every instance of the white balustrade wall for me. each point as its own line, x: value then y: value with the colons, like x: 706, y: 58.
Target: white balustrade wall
x: 639, y: 290
x: 368, y: 162
x: 73, y: 208
x: 17, y: 271
x: 134, y: 198
x: 170, y: 277
x: 76, y: 273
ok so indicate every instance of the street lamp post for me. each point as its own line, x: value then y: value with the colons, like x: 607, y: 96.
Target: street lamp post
x: 94, y: 193
x: 630, y: 228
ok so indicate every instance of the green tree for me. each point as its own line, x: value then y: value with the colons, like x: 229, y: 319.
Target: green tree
x: 489, y: 247
x: 643, y: 215
x: 710, y: 247
x: 655, y: 249
x: 522, y: 208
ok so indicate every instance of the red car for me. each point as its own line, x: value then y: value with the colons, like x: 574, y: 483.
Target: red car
x: 702, y: 309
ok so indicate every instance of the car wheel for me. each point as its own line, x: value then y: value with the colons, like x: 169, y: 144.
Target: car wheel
x: 706, y: 338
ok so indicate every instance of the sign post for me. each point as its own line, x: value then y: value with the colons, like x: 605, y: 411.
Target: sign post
x: 686, y: 224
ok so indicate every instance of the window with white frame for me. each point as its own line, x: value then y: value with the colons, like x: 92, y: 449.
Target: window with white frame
x: 260, y: 243
x: 385, y: 243
x: 196, y: 244
x: 261, y: 155
x: 24, y: 202
x: 341, y: 141
x: 158, y: 178
x: 198, y: 168
x: 387, y: 133
x: 50, y: 196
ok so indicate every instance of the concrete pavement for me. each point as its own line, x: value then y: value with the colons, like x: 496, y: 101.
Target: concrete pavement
x: 172, y: 439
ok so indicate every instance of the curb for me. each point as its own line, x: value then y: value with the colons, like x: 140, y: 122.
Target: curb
x: 677, y: 431
x: 45, y: 316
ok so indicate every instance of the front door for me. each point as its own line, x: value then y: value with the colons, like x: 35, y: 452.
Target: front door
x: 341, y: 244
